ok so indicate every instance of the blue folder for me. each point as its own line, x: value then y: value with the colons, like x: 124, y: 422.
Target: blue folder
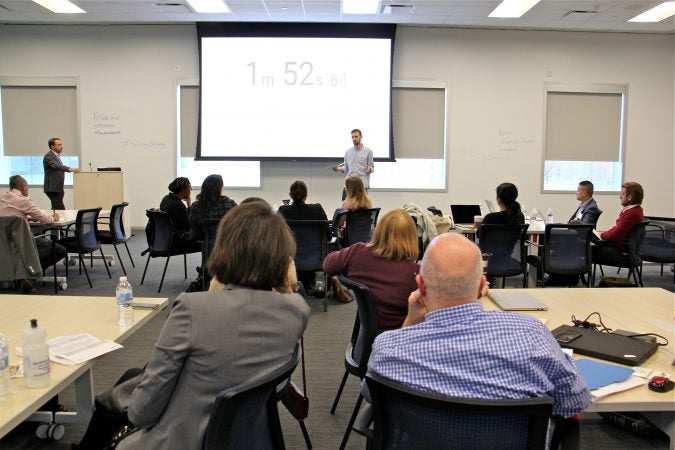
x: 598, y: 374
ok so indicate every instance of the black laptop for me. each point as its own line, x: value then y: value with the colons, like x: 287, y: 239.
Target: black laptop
x: 631, y: 351
x: 463, y: 214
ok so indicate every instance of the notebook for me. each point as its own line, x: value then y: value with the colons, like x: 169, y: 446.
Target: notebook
x: 608, y: 346
x: 516, y: 300
x: 463, y: 214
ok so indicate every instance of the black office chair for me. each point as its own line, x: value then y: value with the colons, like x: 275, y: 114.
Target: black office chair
x: 209, y: 233
x: 311, y: 243
x: 160, y: 235
x: 657, y: 245
x: 506, y: 243
x: 115, y: 234
x: 246, y: 416
x: 360, y: 346
x: 360, y: 225
x: 629, y: 259
x: 411, y: 419
x: 566, y: 252
x: 85, y: 240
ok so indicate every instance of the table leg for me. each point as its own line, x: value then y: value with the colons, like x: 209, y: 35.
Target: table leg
x: 84, y: 400
x: 665, y: 421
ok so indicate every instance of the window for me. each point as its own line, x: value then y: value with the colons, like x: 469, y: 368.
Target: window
x: 584, y: 137
x: 31, y: 114
x: 242, y: 174
x: 419, y: 119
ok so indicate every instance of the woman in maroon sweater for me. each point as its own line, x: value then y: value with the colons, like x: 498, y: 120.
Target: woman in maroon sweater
x: 614, y: 240
x: 386, y: 265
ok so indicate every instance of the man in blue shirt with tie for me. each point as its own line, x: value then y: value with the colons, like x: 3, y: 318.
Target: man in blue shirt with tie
x: 449, y: 345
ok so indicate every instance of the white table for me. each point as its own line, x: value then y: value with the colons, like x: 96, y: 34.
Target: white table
x: 632, y: 309
x: 61, y: 315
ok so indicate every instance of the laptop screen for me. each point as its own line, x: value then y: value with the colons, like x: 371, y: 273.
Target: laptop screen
x: 464, y: 213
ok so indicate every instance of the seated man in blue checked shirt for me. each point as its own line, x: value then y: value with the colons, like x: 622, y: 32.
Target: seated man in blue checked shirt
x: 450, y: 346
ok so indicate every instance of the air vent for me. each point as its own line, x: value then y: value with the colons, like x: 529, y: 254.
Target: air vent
x: 397, y: 9
x: 579, y: 15
x: 172, y: 8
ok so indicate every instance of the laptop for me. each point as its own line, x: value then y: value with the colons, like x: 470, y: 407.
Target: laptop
x: 516, y: 300
x: 463, y: 214
x: 631, y: 351
x: 490, y: 206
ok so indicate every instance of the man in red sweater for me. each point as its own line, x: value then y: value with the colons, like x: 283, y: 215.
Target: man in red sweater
x: 614, y: 241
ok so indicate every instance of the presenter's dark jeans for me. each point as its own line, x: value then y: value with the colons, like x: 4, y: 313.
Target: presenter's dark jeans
x: 56, y: 199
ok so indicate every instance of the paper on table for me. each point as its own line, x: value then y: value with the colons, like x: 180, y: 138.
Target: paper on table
x: 77, y: 348
x: 630, y: 383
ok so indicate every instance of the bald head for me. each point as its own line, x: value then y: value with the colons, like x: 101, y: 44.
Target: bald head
x: 452, y: 271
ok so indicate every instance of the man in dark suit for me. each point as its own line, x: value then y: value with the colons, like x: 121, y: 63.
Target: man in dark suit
x: 55, y: 172
x: 588, y: 211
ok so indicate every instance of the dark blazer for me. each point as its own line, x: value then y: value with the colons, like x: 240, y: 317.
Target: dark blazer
x: 303, y: 211
x: 589, y: 213
x: 55, y: 172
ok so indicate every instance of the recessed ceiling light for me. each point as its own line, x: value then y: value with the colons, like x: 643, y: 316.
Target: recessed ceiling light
x: 513, y: 8
x: 360, y: 6
x: 656, y: 14
x: 209, y: 6
x: 61, y: 6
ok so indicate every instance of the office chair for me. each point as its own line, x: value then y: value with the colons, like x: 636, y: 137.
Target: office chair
x: 209, y: 233
x: 629, y: 259
x: 246, y: 416
x: 311, y: 247
x: 566, y: 252
x: 360, y: 345
x: 360, y: 225
x: 506, y: 243
x: 85, y: 240
x: 115, y: 235
x: 411, y: 419
x: 657, y: 245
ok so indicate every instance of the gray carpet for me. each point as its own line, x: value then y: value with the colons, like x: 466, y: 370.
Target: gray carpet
x: 325, y: 342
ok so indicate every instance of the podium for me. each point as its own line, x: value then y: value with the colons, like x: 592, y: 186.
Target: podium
x: 104, y: 189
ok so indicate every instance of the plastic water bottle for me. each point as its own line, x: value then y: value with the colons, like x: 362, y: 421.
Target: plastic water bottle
x: 533, y: 215
x: 124, y: 295
x: 549, y: 215
x: 5, y: 381
x: 36, y: 366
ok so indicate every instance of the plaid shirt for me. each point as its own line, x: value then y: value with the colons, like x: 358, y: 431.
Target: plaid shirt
x: 466, y: 352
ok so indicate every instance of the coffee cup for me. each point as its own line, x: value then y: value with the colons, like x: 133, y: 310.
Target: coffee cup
x: 477, y: 221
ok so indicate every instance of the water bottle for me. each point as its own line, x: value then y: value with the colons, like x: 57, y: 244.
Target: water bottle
x: 5, y: 381
x: 533, y: 215
x: 549, y: 215
x: 36, y: 366
x: 124, y: 295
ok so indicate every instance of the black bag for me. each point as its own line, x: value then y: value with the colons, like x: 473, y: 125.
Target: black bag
x: 197, y: 285
x: 294, y: 399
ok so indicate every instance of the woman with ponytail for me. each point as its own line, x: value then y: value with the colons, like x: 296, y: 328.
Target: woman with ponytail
x: 509, y: 213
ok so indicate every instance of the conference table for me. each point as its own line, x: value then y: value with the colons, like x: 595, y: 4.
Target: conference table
x: 62, y: 316
x: 641, y: 310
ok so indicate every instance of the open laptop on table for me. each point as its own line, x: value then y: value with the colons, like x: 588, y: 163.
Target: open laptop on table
x: 490, y: 206
x: 463, y: 214
x: 516, y: 300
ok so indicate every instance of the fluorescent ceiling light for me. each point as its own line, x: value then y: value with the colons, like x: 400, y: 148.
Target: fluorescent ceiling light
x: 360, y: 6
x: 656, y: 14
x: 209, y: 6
x: 60, y: 6
x: 513, y: 8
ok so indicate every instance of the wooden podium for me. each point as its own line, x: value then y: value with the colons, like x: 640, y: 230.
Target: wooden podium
x: 104, y: 189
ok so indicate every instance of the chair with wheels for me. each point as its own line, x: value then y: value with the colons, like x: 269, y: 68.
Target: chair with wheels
x: 360, y: 346
x: 657, y: 245
x: 246, y: 416
x: 566, y: 252
x: 411, y: 419
x: 311, y: 240
x: 360, y: 225
x: 85, y: 240
x: 628, y: 259
x: 115, y: 234
x: 506, y: 243
x: 160, y: 234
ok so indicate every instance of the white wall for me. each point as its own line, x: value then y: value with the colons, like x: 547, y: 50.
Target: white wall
x: 496, y: 87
